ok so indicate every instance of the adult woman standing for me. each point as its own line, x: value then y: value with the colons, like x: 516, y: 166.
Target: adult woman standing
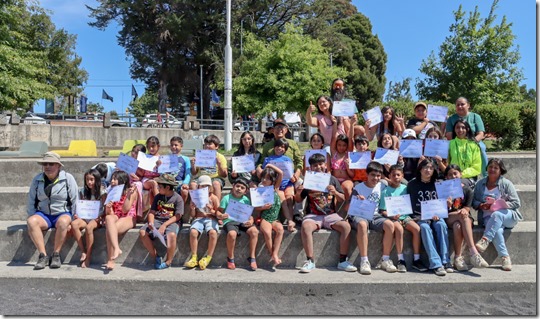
x: 475, y: 122
x: 323, y: 120
x: 497, y: 202
x: 51, y: 202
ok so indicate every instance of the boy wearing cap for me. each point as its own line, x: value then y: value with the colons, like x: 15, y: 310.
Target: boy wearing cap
x: 232, y: 228
x: 420, y: 124
x: 204, y: 221
x: 165, y: 213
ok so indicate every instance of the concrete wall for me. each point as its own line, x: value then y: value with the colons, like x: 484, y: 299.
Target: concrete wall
x: 12, y: 136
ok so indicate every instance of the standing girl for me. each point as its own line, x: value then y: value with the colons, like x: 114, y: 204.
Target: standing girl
x: 461, y: 221
x: 93, y: 190
x: 120, y: 216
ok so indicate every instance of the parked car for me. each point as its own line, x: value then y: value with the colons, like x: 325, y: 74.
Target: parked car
x: 31, y: 118
x: 150, y: 120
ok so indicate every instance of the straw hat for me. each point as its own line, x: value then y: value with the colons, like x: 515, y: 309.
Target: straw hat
x: 50, y: 157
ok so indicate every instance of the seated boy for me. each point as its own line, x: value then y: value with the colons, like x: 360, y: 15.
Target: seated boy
x: 165, y: 213
x: 368, y: 190
x: 217, y: 173
x: 232, y: 228
x: 204, y: 220
x: 321, y: 212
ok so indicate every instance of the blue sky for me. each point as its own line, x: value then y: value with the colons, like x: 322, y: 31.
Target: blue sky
x: 409, y: 30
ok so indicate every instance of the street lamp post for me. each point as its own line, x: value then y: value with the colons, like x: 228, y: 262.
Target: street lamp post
x: 201, y: 97
x: 228, y: 83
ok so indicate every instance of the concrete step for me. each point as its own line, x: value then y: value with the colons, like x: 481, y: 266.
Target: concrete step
x: 14, y: 201
x: 20, y: 171
x: 324, y: 291
x: 16, y: 246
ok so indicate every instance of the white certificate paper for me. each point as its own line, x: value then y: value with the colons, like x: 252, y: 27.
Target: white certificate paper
x: 286, y: 167
x: 147, y: 162
x: 243, y: 164
x: 261, y: 196
x: 359, y: 160
x: 410, y: 148
x: 386, y: 156
x: 239, y: 212
x: 199, y: 197
x: 316, y: 181
x: 169, y: 163
x: 434, y: 207
x: 344, y: 108
x: 362, y: 208
x: 374, y: 115
x: 127, y: 163
x: 309, y: 153
x: 437, y: 113
x: 436, y: 147
x: 398, y: 205
x: 205, y: 158
x: 88, y: 209
x: 158, y: 235
x: 449, y: 188
x: 115, y: 193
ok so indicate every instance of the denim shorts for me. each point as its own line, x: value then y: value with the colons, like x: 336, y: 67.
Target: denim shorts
x: 204, y: 224
x: 51, y: 219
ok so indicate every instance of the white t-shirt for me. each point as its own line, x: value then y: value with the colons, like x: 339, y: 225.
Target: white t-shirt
x: 372, y: 194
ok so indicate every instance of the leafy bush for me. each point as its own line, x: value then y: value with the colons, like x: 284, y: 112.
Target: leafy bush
x: 527, y: 116
x: 504, y: 122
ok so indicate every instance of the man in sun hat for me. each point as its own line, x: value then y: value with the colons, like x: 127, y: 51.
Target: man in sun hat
x: 420, y: 123
x: 164, y: 217
x: 51, y: 204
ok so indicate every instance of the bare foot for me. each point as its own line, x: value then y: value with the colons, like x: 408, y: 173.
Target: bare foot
x: 116, y: 253
x: 291, y: 226
x: 110, y: 265
x: 83, y: 258
x: 86, y: 263
x: 276, y: 260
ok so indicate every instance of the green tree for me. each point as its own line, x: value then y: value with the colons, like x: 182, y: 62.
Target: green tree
x: 399, y: 91
x: 362, y: 54
x: 477, y: 60
x: 282, y: 75
x: 92, y: 107
x: 147, y: 103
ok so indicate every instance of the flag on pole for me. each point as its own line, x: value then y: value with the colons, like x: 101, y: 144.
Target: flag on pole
x: 134, y: 93
x: 83, y: 101
x: 106, y: 96
x: 215, y: 97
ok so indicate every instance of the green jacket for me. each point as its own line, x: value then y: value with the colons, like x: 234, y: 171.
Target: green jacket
x: 293, y: 152
x: 467, y: 155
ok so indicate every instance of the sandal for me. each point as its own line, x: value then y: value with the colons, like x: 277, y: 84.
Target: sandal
x: 252, y: 263
x: 230, y: 263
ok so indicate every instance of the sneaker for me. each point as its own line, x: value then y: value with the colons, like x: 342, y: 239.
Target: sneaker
x: 252, y: 263
x: 460, y: 264
x: 192, y: 262
x: 204, y: 262
x: 158, y: 262
x: 401, y: 266
x: 419, y: 265
x: 440, y: 271
x: 163, y: 265
x: 43, y: 260
x: 388, y: 266
x: 230, y: 264
x: 308, y: 266
x: 506, y: 263
x: 448, y: 267
x: 482, y: 244
x: 56, y: 262
x: 346, y: 266
x: 478, y: 261
x: 365, y: 267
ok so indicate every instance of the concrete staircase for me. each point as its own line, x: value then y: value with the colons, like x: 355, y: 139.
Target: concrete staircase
x: 16, y: 248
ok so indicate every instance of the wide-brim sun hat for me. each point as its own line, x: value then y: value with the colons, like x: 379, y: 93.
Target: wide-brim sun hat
x: 50, y: 157
x: 166, y: 179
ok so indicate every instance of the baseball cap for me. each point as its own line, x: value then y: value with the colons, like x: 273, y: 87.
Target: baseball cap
x: 420, y: 104
x: 408, y: 133
x: 204, y: 180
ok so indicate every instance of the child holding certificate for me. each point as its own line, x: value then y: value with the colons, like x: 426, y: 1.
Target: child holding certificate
x: 147, y: 180
x: 204, y: 221
x: 387, y: 141
x: 287, y: 185
x: 438, y: 162
x: 321, y: 212
x: 461, y: 221
x: 135, y: 179
x: 232, y: 227
x: 93, y: 190
x: 369, y: 190
x: 183, y: 174
x: 165, y: 213
x: 396, y: 188
x: 120, y: 216
x: 218, y: 173
x: 422, y: 188
x: 339, y: 159
x: 361, y: 144
x: 246, y: 147
x: 271, y: 176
